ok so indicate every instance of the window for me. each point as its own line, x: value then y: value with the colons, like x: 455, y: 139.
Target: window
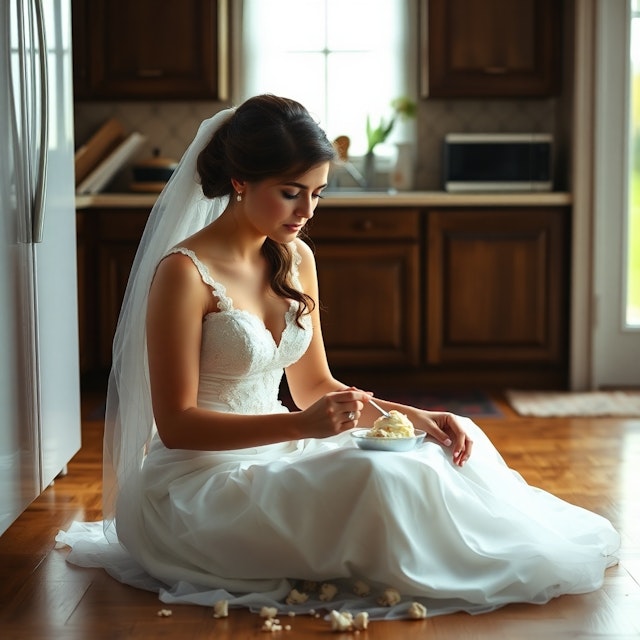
x: 343, y: 59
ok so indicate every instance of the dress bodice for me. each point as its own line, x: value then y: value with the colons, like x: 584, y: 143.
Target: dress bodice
x: 241, y: 363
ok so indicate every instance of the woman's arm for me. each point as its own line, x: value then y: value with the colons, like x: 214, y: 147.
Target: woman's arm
x: 178, y: 302
x: 310, y: 378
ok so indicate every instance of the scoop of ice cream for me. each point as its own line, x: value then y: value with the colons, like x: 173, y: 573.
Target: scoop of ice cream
x: 397, y: 425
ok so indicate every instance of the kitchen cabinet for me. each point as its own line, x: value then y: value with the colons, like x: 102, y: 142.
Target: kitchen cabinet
x: 107, y: 243
x: 496, y: 286
x: 439, y: 294
x: 368, y: 271
x: 490, y: 48
x: 368, y: 275
x: 149, y: 50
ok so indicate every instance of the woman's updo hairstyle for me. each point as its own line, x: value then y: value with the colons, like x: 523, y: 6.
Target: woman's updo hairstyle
x: 266, y: 137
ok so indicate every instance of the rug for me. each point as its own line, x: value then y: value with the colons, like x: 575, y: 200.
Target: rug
x: 551, y: 404
x: 473, y: 404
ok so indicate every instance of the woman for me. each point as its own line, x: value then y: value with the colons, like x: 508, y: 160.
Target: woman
x: 220, y: 493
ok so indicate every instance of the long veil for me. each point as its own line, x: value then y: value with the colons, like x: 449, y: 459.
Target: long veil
x: 180, y: 210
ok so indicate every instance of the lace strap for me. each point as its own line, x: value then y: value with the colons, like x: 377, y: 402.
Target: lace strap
x: 295, y: 272
x: 219, y: 290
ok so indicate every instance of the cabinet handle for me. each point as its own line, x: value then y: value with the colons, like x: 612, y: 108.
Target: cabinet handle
x: 364, y: 225
x: 495, y: 71
x: 150, y: 73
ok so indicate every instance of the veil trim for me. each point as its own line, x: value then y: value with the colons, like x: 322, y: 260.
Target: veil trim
x: 180, y: 210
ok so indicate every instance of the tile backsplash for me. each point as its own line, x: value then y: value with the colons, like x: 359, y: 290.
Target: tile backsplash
x: 170, y: 126
x: 436, y: 118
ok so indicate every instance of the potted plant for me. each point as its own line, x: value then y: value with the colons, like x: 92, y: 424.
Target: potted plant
x: 403, y: 108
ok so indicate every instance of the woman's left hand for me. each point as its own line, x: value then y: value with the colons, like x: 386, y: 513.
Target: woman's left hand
x: 447, y: 429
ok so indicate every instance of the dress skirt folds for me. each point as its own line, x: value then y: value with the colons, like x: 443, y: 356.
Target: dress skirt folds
x: 249, y: 525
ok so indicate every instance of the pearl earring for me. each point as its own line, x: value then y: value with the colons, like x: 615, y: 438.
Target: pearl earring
x: 239, y: 197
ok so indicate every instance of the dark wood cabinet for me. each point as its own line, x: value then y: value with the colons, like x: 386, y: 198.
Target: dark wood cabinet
x: 496, y: 287
x: 490, y: 48
x: 451, y: 296
x: 147, y: 50
x: 107, y: 241
x: 368, y: 274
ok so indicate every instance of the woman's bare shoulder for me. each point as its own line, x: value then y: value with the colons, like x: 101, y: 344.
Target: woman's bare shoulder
x: 177, y: 268
x: 304, y: 251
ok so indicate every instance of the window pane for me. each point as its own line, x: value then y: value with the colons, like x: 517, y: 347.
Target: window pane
x: 365, y: 83
x: 343, y: 59
x: 360, y: 25
x: 291, y: 25
x: 300, y: 77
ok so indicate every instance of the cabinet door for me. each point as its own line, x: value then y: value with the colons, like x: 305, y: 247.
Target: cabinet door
x: 369, y: 303
x: 497, y: 286
x: 490, y: 48
x: 118, y: 237
x: 80, y: 38
x: 115, y: 264
x: 368, y: 271
x: 148, y: 49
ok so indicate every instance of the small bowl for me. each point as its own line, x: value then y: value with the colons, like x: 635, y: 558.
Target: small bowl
x: 374, y: 443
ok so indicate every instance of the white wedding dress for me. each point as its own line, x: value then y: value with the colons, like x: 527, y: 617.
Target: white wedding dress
x: 248, y: 525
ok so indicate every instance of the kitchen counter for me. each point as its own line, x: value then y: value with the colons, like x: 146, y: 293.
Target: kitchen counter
x: 364, y: 199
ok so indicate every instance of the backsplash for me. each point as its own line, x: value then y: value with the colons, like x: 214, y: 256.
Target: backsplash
x: 436, y: 118
x: 170, y: 126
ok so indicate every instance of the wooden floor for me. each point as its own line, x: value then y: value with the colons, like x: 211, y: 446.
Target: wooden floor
x: 592, y: 462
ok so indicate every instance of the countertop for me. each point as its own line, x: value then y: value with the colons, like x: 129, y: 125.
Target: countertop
x: 364, y: 199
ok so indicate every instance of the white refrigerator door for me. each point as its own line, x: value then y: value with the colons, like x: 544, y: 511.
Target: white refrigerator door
x: 39, y: 373
x: 55, y: 260
x: 19, y: 431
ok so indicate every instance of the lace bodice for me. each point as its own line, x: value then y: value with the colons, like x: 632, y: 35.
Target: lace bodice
x: 241, y: 365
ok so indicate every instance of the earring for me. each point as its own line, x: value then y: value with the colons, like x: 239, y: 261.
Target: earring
x: 239, y: 197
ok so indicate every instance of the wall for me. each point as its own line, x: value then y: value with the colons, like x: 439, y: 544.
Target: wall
x: 170, y: 126
x: 439, y: 117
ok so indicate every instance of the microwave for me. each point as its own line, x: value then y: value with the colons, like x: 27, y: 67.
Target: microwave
x: 498, y: 162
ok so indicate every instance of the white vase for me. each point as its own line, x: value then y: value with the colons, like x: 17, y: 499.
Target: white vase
x: 402, y: 174
x: 369, y: 170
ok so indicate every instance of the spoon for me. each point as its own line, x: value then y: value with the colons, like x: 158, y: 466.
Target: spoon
x: 386, y: 414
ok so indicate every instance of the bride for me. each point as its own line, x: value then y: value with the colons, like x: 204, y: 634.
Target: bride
x: 214, y: 490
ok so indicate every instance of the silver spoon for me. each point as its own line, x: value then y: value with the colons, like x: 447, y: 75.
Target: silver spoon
x: 386, y: 414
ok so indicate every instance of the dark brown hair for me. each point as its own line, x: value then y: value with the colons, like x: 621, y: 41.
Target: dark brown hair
x: 266, y: 137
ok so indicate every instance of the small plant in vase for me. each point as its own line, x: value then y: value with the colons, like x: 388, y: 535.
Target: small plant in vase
x: 403, y: 108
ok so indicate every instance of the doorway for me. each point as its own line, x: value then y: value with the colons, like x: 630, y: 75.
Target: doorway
x: 616, y: 158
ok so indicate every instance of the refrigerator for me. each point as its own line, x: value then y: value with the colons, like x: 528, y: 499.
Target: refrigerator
x: 39, y: 370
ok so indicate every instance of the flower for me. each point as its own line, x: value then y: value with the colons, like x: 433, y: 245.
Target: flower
x: 403, y: 107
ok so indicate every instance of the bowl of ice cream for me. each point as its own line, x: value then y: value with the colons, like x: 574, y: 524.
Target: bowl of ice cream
x: 364, y: 440
x: 391, y: 432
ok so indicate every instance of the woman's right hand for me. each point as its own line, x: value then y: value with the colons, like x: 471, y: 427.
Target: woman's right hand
x: 333, y: 413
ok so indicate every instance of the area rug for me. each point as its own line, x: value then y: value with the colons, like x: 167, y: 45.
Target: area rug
x: 475, y: 404
x: 551, y: 404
